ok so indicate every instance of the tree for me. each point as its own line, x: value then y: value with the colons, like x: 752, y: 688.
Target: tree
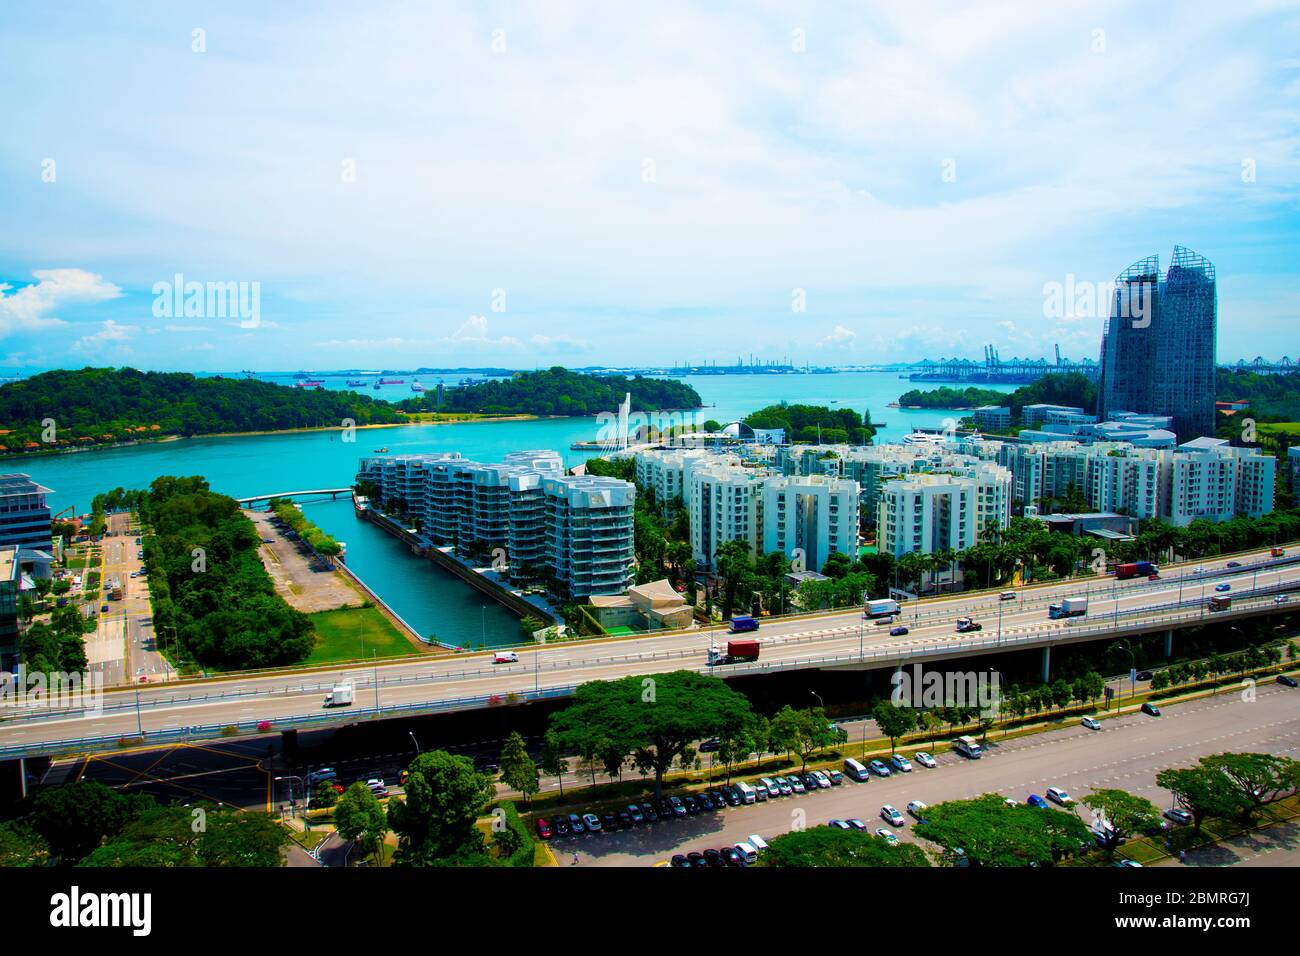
x: 803, y: 731
x: 517, y: 768
x: 662, y: 714
x: 175, y: 835
x: 991, y: 833
x: 435, y: 821
x: 833, y: 847
x: 552, y: 758
x: 75, y: 818
x: 1259, y: 778
x: 21, y: 846
x: 1204, y: 792
x: 894, y: 721
x: 360, y: 816
x: 324, y: 796
x: 1124, y: 814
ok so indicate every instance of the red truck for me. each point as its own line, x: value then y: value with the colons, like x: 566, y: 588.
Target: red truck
x: 737, y: 652
x: 1133, y: 569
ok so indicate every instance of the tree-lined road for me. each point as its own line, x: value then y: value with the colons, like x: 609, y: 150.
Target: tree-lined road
x: 840, y: 639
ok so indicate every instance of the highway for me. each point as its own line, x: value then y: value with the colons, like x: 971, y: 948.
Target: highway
x: 1126, y: 754
x: 192, y: 710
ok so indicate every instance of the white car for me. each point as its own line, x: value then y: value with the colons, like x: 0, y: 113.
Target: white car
x: 891, y: 816
x: 592, y: 822
x: 1059, y: 796
x: 1092, y: 723
x: 917, y: 807
x: 757, y: 842
x: 1011, y: 802
x: 886, y: 835
x: 505, y: 657
x: 925, y: 760
x: 901, y: 763
x: 823, y: 781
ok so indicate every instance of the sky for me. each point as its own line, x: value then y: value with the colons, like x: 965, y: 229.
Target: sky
x: 393, y: 185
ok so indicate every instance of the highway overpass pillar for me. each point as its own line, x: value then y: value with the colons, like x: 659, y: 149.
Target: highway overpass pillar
x: 1169, y: 643
x: 1047, y: 664
x: 289, y: 743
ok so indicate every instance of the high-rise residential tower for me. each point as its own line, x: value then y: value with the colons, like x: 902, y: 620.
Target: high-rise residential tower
x: 1158, y: 348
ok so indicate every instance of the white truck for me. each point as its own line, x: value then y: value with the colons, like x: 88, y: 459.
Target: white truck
x: 341, y: 695
x: 881, y: 607
x: 1069, y: 607
x: 968, y: 747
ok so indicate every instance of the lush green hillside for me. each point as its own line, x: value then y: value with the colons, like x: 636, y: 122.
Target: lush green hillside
x: 1272, y: 398
x: 558, y: 391
x: 94, y: 405
x: 944, y: 397
x: 802, y: 423
x: 1071, y: 389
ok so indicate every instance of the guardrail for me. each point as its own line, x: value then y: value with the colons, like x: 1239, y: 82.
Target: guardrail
x: 1067, y: 629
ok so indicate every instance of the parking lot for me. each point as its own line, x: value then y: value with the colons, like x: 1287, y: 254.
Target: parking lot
x: 1126, y: 753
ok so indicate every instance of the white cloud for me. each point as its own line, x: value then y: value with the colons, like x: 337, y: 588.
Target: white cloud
x: 31, y: 307
x: 109, y: 333
x: 474, y: 334
x: 840, y: 337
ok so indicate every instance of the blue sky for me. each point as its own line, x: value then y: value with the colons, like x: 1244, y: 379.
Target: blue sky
x: 480, y: 184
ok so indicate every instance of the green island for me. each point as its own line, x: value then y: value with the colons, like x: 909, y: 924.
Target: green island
x: 65, y: 410
x: 557, y: 391
x: 1072, y: 389
x: 815, y: 423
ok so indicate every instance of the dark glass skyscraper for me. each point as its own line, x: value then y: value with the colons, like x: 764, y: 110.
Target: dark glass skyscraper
x: 1158, y: 348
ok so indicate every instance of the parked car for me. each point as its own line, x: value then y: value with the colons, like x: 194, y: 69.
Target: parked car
x: 732, y: 796
x: 649, y: 813
x: 891, y: 816
x: 576, y: 824
x: 1034, y: 800
x: 677, y: 807
x: 899, y: 631
x: 591, y: 822
x: 836, y: 778
x: 608, y: 821
x: 925, y: 760
x: 705, y: 801
x: 757, y: 842
x: 785, y: 786
x: 916, y: 808
x: 696, y: 858
x: 1057, y: 795
x: 879, y: 769
x: 561, y: 826
x: 679, y: 861
x: 692, y: 804
x: 1092, y: 723
x: 624, y: 820
x: 886, y: 835
x: 634, y: 812
x: 1178, y: 815
x: 712, y: 745
x: 856, y: 824
x: 713, y: 858
x: 731, y: 856
x: 796, y: 784
x: 822, y: 780
x: 543, y: 829
x: 760, y: 791
x: 1150, y: 709
x: 901, y: 763
x: 1287, y: 680
x: 838, y: 825
x: 770, y: 784
x: 1127, y: 863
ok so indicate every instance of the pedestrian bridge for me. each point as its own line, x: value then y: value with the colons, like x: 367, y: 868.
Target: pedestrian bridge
x: 308, y: 493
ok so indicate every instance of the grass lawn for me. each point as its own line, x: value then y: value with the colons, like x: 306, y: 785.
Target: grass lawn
x: 355, y: 633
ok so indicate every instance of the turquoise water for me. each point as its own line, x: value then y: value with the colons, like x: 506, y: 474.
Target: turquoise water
x: 432, y: 601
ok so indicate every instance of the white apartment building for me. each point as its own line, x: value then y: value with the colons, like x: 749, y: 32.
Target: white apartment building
x: 665, y: 471
x: 1210, y: 479
x: 725, y: 504
x: 814, y: 514
x: 577, y: 530
x: 932, y: 512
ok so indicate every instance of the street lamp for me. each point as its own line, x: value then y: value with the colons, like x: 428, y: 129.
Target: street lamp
x: 1132, y: 676
x: 414, y: 741
x: 820, y: 703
